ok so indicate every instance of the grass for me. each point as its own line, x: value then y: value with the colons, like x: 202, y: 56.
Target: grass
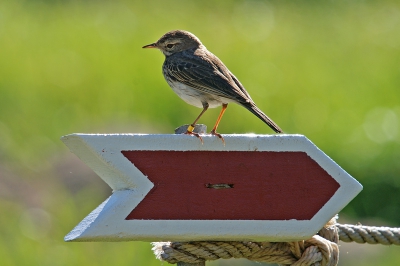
x: 328, y: 70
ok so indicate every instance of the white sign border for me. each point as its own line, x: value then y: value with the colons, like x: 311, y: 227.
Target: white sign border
x: 102, y: 153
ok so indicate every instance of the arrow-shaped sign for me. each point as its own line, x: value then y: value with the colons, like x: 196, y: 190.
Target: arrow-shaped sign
x: 173, y: 188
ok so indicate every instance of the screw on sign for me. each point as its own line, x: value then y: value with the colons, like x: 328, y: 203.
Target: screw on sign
x: 173, y: 188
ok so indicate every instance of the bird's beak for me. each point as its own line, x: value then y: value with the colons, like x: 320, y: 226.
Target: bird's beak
x: 152, y: 45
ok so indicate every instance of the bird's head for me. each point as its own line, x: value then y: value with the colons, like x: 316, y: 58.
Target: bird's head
x: 175, y: 41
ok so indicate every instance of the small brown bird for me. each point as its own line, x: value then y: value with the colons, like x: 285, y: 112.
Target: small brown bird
x: 201, y: 79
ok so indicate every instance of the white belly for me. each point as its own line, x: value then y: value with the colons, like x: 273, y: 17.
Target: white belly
x: 196, y: 97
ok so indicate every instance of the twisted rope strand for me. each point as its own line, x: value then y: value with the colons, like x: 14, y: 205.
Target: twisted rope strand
x: 369, y: 234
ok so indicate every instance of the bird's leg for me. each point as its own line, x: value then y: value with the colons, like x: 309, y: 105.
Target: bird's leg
x: 190, y: 128
x: 214, y: 130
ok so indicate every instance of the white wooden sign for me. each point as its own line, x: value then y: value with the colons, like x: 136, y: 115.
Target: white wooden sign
x: 174, y: 188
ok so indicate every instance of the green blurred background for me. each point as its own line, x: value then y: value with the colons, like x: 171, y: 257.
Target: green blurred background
x: 327, y: 69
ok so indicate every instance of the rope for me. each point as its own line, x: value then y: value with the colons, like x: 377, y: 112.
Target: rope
x: 320, y: 250
x: 369, y: 234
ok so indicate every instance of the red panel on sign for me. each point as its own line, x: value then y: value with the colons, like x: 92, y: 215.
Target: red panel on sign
x: 231, y: 185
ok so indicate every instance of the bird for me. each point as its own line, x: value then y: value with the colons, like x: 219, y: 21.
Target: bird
x: 201, y: 79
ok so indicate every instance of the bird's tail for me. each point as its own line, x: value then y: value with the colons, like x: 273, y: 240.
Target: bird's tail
x: 255, y: 110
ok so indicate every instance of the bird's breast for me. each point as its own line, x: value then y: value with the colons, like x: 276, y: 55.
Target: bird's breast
x: 194, y: 96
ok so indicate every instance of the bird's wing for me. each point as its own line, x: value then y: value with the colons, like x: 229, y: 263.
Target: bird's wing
x: 207, y: 74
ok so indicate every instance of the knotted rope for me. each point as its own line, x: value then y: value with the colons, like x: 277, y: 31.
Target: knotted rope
x: 320, y: 250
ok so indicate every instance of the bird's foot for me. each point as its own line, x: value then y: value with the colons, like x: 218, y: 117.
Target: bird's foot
x: 218, y: 135
x: 189, y: 131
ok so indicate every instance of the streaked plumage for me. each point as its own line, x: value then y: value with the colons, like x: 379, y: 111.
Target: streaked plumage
x: 200, y: 78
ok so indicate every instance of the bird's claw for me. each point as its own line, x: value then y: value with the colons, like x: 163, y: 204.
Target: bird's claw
x: 218, y: 135
x: 194, y: 134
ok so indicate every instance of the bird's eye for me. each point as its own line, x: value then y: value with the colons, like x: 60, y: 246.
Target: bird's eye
x: 170, y: 45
